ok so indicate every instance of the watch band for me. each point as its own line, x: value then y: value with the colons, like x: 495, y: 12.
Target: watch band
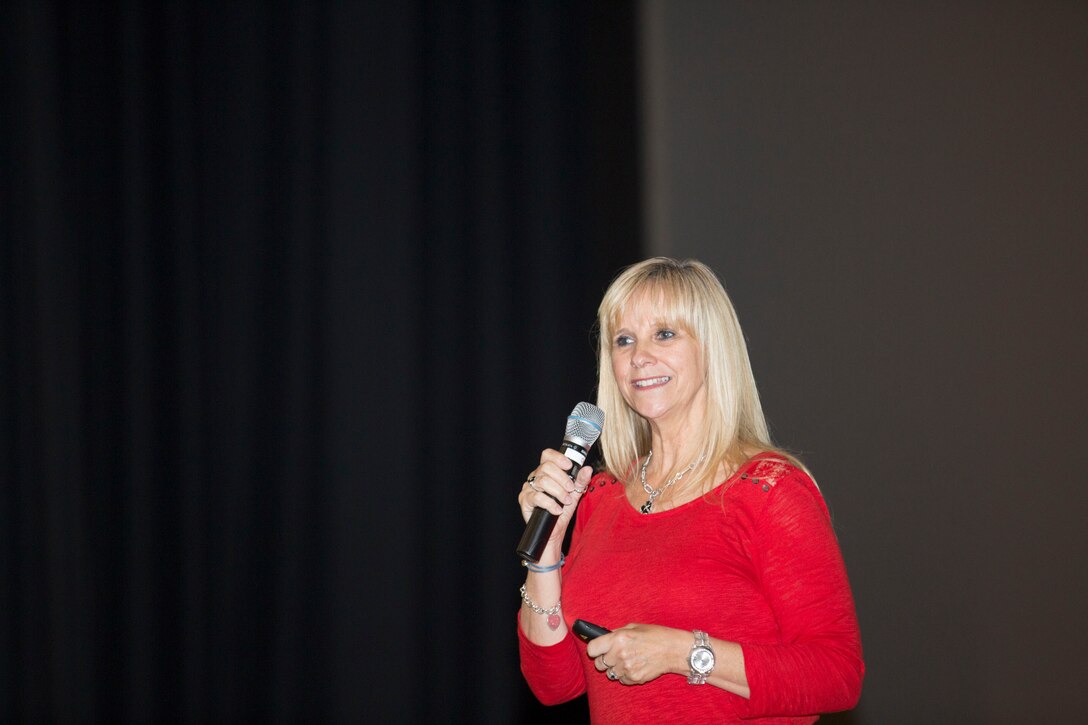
x: 700, y: 659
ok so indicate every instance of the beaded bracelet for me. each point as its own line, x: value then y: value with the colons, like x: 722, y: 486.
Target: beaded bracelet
x: 537, y: 569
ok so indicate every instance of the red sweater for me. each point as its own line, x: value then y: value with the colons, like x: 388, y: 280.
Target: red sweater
x: 755, y: 561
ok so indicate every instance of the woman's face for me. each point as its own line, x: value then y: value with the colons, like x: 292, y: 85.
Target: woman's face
x: 658, y: 366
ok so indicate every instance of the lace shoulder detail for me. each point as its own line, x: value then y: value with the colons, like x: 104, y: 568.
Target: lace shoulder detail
x: 767, y: 472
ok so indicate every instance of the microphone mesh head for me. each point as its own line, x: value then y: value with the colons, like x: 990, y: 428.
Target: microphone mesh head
x: 584, y: 425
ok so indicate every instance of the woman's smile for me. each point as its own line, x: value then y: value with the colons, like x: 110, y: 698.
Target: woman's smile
x: 650, y: 382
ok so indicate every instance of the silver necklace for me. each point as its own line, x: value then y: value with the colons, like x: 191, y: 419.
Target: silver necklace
x: 654, y: 493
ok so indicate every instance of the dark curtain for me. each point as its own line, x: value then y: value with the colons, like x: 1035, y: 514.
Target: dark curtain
x: 293, y: 294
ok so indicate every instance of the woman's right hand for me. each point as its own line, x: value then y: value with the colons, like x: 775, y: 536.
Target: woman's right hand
x: 550, y: 479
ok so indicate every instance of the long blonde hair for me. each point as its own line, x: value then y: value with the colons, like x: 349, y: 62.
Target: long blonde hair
x: 689, y: 295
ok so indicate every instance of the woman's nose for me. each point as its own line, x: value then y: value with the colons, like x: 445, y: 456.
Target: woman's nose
x: 641, y: 356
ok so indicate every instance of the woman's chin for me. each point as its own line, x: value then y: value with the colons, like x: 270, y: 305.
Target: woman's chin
x: 653, y: 413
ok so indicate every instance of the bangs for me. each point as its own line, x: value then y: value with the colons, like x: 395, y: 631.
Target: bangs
x: 672, y: 302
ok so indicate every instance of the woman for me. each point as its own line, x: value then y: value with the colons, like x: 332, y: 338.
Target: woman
x: 708, y: 552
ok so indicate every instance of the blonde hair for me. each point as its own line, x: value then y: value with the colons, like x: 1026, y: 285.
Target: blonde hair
x: 689, y: 295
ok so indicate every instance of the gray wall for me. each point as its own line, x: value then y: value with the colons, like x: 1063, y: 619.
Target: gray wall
x: 895, y: 195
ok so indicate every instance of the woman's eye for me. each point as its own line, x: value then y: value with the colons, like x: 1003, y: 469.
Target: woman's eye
x: 666, y: 334
x: 623, y: 341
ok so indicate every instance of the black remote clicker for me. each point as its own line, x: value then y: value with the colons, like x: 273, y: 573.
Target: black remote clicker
x: 588, y: 630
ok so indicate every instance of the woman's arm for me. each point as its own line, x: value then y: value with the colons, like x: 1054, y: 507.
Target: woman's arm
x: 639, y: 653
x: 817, y: 665
x: 550, y: 658
x: 541, y: 617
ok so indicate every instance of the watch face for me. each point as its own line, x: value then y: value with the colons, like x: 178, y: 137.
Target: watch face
x: 702, y: 660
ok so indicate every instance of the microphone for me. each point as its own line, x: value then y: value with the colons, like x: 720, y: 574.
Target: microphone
x: 584, y: 426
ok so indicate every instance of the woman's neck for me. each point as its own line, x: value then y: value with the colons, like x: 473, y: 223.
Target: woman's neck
x: 673, y: 450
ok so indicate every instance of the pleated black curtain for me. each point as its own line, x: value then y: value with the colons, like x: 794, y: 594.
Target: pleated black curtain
x: 293, y: 293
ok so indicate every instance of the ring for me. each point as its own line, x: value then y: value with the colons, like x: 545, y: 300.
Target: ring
x: 612, y: 675
x: 530, y: 484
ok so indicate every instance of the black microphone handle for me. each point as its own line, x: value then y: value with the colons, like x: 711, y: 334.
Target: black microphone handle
x: 542, y: 522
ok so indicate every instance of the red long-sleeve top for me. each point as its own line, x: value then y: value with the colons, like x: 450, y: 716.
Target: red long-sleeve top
x: 755, y: 562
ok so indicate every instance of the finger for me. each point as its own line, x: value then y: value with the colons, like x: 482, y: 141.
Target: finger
x: 576, y: 484
x: 556, y: 470
x: 538, y: 498
x: 539, y: 479
x: 528, y: 497
x: 598, y: 646
x: 581, y: 483
x: 550, y: 455
x: 551, y: 480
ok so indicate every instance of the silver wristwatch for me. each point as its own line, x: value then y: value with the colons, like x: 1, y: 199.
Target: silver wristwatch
x: 701, y: 659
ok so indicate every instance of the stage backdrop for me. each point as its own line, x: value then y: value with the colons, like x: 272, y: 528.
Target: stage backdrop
x: 293, y: 296
x: 896, y: 195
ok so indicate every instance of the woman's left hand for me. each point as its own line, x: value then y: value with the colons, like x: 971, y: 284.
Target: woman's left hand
x: 638, y: 653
